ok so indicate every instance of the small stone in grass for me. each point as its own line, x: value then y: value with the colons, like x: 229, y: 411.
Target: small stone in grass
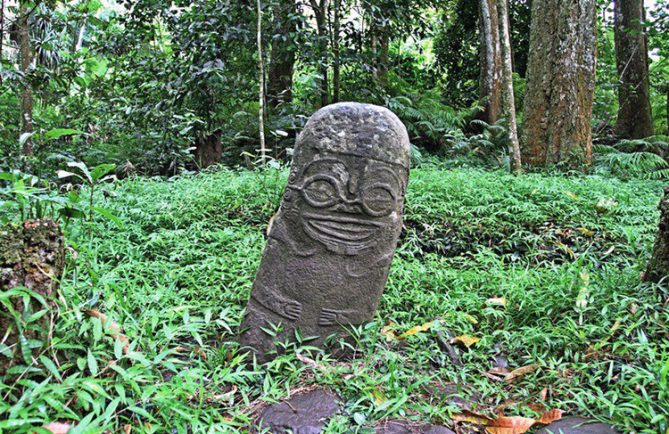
x: 577, y: 425
x: 306, y: 413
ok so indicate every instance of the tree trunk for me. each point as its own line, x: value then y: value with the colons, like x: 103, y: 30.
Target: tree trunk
x: 491, y: 61
x: 336, y: 50
x: 31, y: 256
x: 2, y: 30
x: 658, y: 267
x: 635, y: 120
x: 320, y: 8
x: 508, y: 101
x: 261, y: 86
x: 282, y: 57
x: 560, y: 84
x: 25, y: 54
x: 209, y: 150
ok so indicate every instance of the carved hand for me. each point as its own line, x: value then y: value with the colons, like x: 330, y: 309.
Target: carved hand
x: 292, y: 310
x: 330, y: 317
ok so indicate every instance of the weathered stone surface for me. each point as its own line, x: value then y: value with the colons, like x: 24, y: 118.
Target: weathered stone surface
x: 331, y: 244
x: 577, y: 425
x: 409, y: 427
x: 306, y: 413
x: 32, y: 255
x: 658, y: 266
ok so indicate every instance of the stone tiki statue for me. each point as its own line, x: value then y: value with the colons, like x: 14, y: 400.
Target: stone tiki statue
x: 329, y: 250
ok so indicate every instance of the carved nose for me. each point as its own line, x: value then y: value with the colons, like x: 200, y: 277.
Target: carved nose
x: 350, y: 206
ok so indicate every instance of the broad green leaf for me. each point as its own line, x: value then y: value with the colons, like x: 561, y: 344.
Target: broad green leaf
x: 61, y: 132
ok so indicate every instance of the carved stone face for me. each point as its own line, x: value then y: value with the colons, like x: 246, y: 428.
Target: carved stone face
x: 331, y: 244
x: 346, y: 202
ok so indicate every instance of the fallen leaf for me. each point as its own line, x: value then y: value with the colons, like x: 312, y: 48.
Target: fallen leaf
x: 544, y: 394
x: 507, y: 424
x: 415, y: 330
x: 586, y: 232
x: 308, y: 361
x: 510, y: 425
x: 270, y: 224
x: 114, y: 328
x: 551, y: 416
x: 521, y: 372
x: 127, y: 429
x: 389, y: 333
x: 465, y: 340
x: 497, y: 301
x: 471, y: 417
x: 379, y: 396
x: 58, y: 428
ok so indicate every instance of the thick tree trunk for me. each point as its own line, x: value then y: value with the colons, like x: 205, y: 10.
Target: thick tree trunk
x: 491, y: 61
x: 209, y: 150
x: 658, y: 267
x: 25, y: 54
x: 282, y: 57
x: 31, y: 256
x: 635, y: 120
x: 560, y: 84
x: 508, y: 101
x: 320, y: 8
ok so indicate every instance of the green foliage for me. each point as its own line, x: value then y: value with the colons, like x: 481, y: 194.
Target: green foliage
x: 635, y: 158
x: 176, y: 276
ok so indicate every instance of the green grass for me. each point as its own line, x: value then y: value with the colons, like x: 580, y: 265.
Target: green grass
x: 565, y: 252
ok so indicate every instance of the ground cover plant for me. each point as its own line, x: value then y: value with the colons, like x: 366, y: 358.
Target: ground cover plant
x: 540, y: 272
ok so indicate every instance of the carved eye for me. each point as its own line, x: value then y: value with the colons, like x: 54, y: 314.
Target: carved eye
x: 379, y: 200
x: 321, y: 192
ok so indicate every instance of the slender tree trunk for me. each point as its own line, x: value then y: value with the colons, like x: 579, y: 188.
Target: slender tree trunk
x: 560, y: 84
x: 282, y: 57
x: 25, y: 55
x: 491, y: 61
x: 635, y: 120
x: 261, y: 93
x: 383, y: 61
x: 508, y: 101
x: 2, y: 29
x: 320, y: 8
x: 336, y: 50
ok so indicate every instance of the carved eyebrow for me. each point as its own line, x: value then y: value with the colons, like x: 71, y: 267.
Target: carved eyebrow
x: 375, y: 170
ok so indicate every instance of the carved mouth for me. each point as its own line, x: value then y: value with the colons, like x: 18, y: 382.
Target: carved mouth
x: 341, y: 231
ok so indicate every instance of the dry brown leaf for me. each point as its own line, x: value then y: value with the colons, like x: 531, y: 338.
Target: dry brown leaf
x: 270, y: 224
x: 544, y: 394
x: 551, y: 416
x: 114, y: 328
x: 497, y: 301
x: 127, y: 429
x: 465, y: 340
x: 471, y: 417
x: 389, y: 333
x: 521, y: 372
x: 58, y: 428
x: 510, y: 425
x: 308, y: 361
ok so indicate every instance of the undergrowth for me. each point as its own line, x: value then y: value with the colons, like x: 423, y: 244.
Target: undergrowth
x: 564, y: 254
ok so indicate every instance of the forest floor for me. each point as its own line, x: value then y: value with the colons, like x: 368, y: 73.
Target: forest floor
x: 536, y: 272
